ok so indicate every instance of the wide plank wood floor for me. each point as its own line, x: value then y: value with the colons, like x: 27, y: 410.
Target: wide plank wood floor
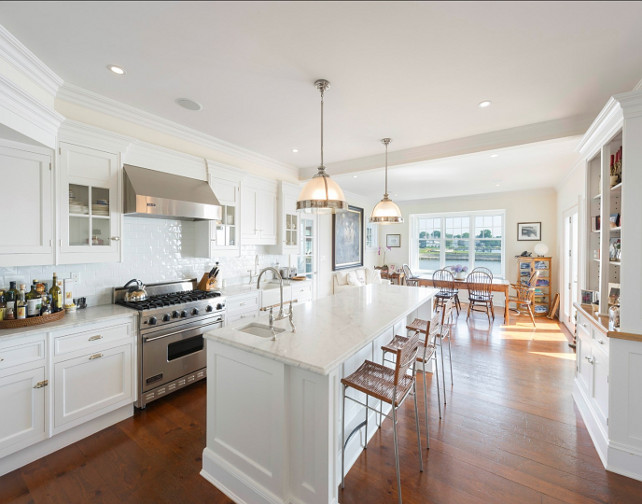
x: 510, y: 433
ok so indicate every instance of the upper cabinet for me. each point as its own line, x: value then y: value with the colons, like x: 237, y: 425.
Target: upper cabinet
x: 258, y: 211
x: 90, y: 205
x: 26, y: 205
x: 225, y: 236
x: 288, y: 219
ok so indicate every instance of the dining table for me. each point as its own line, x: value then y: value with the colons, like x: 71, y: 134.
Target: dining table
x: 498, y: 285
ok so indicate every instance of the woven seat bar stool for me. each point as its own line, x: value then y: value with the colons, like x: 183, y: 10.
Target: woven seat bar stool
x: 447, y: 291
x: 410, y: 279
x: 480, y: 296
x: 391, y: 386
x: 427, y: 352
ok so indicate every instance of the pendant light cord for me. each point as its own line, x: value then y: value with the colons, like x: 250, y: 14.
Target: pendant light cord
x: 322, y: 87
x: 385, y: 194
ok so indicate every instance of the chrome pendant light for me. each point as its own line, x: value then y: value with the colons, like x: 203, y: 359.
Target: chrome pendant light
x: 386, y: 211
x: 321, y: 194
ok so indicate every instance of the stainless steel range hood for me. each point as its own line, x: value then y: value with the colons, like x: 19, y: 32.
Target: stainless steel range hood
x: 151, y: 193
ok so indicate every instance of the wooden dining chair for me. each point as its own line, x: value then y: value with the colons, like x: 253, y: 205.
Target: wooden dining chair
x: 410, y: 279
x: 446, y: 291
x: 524, y: 294
x: 480, y: 296
x: 484, y: 270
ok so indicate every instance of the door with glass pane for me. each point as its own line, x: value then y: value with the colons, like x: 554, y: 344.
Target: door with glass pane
x: 307, y: 264
x: 90, y: 206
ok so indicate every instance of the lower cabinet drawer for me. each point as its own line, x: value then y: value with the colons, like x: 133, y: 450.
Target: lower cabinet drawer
x: 230, y: 318
x: 23, y: 351
x: 89, y: 386
x: 88, y: 339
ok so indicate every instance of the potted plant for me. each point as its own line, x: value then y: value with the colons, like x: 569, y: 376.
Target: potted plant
x: 459, y: 271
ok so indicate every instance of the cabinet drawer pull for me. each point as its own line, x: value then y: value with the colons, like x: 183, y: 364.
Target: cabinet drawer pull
x: 584, y: 325
x: 243, y: 303
x: 95, y: 356
x: 41, y: 384
x: 1, y: 359
x: 95, y: 338
x: 115, y: 238
x: 601, y: 342
x: 589, y: 359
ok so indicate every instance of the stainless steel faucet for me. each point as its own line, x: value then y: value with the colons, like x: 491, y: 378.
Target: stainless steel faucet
x: 281, y: 315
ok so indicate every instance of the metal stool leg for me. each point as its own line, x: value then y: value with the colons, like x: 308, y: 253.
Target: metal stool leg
x: 414, y: 393
x: 434, y: 356
x: 365, y: 442
x: 343, y: 435
x: 394, y: 430
x: 450, y: 358
x: 426, y: 405
x: 443, y: 369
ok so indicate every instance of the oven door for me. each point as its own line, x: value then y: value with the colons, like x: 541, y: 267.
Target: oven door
x: 170, y: 354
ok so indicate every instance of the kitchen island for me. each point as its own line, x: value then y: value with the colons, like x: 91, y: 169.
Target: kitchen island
x: 273, y: 407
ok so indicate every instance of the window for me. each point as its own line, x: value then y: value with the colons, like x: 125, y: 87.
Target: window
x: 471, y: 239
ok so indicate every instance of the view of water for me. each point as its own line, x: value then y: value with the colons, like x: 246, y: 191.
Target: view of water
x: 433, y: 264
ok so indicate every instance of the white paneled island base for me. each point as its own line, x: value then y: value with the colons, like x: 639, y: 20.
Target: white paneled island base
x: 274, y: 407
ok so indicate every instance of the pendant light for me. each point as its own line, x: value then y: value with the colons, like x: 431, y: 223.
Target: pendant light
x: 321, y: 194
x: 386, y: 211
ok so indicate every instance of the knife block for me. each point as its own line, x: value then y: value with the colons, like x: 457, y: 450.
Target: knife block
x: 207, y: 283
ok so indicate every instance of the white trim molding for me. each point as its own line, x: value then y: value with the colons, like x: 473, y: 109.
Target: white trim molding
x: 93, y: 101
x: 27, y: 62
x: 23, y: 113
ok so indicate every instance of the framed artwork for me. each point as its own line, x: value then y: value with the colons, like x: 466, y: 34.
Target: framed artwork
x: 347, y: 239
x: 529, y: 231
x: 372, y: 241
x: 393, y: 240
x: 614, y: 293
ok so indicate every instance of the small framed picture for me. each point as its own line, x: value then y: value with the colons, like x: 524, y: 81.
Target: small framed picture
x: 614, y: 293
x: 529, y: 231
x: 393, y: 240
x: 371, y: 236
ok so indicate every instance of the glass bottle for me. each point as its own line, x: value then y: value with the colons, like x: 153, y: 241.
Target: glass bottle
x: 56, y: 295
x: 21, y: 303
x: 10, y: 299
x: 3, y: 305
x: 33, y: 301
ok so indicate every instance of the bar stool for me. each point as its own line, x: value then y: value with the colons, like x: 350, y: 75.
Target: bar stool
x: 388, y: 385
x: 441, y: 325
x: 429, y: 352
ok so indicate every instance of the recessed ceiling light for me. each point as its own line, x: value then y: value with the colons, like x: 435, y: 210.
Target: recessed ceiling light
x: 295, y: 150
x: 497, y: 185
x: 484, y: 104
x: 494, y: 155
x: 116, y: 69
x: 189, y: 104
x: 355, y: 176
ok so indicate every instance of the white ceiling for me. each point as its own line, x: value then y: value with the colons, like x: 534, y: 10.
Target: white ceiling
x: 413, y: 71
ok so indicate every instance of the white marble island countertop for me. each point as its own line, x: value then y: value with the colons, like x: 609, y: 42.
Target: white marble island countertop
x: 329, y: 329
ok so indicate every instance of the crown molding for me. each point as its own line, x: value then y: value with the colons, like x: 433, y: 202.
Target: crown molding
x: 82, y: 134
x: 531, y: 133
x: 28, y: 116
x: 93, y: 101
x: 23, y: 59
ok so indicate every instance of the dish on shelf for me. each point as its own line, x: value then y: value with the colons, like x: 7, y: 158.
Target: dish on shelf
x: 298, y: 278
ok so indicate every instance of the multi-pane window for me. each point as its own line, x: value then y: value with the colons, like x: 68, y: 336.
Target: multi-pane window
x: 471, y: 239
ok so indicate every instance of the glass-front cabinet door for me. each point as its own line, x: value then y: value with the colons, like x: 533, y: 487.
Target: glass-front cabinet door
x: 291, y: 230
x: 224, y: 235
x: 90, y: 205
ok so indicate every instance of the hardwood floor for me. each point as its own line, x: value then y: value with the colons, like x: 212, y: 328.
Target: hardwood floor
x: 510, y: 433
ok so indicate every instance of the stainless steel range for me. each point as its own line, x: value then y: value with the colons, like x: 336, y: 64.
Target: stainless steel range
x: 171, y: 323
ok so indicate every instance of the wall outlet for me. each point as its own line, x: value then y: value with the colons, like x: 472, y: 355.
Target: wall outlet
x: 75, y: 276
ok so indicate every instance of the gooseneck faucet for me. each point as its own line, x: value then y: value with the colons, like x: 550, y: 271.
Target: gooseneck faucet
x: 281, y: 315
x: 277, y: 275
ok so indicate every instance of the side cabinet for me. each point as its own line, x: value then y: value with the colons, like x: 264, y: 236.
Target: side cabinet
x: 23, y: 382
x: 26, y: 205
x: 93, y: 373
x: 258, y: 211
x: 242, y: 306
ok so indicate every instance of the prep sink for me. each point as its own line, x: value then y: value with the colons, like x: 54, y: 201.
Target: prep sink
x: 262, y: 330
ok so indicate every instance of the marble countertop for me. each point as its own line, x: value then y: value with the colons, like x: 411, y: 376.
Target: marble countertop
x: 78, y: 318
x: 329, y: 329
x: 238, y: 289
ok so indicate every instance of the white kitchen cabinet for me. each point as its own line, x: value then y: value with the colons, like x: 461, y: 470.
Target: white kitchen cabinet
x: 242, y: 306
x: 94, y: 371
x: 298, y: 292
x: 22, y: 393
x: 288, y: 220
x: 26, y: 205
x: 90, y: 205
x: 301, y: 291
x: 258, y: 211
x: 224, y: 236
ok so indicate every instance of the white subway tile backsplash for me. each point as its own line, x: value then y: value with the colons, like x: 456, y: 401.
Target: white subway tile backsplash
x: 154, y: 250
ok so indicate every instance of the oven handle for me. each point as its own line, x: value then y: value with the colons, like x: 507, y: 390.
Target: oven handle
x: 217, y: 322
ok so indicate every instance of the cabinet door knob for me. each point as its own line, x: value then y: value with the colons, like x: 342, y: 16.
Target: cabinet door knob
x: 589, y: 359
x: 41, y: 384
x: 115, y: 238
x: 601, y: 342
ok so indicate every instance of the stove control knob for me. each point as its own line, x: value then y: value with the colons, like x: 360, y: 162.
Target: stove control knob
x: 209, y: 308
x: 152, y: 321
x: 175, y: 314
x: 220, y: 306
x: 184, y: 314
x: 194, y: 311
x: 166, y: 317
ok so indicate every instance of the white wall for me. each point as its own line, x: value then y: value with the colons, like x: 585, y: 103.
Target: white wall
x: 521, y: 206
x: 155, y: 250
